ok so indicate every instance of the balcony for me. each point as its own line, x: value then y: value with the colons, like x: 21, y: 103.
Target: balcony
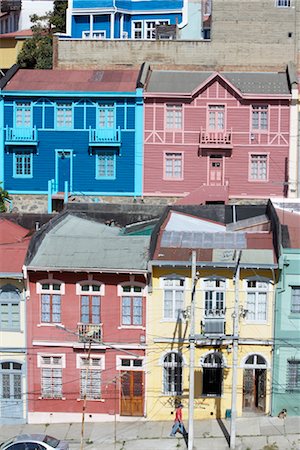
x: 215, y: 139
x: 105, y: 137
x: 89, y: 332
x: 214, y: 322
x: 21, y: 136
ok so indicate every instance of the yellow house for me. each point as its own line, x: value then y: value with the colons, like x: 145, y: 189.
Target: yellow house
x: 13, y: 385
x: 10, y: 46
x: 217, y: 294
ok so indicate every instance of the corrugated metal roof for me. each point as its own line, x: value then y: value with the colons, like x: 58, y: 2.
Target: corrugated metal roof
x: 200, y: 239
x: 74, y: 80
x: 76, y: 243
x: 247, y: 82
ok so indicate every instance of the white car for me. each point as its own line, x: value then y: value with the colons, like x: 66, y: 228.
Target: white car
x: 34, y: 442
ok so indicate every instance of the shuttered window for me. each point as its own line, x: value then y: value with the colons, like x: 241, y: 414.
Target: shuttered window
x: 51, y: 376
x: 295, y: 305
x: 172, y: 374
x: 90, y: 378
x: 293, y: 375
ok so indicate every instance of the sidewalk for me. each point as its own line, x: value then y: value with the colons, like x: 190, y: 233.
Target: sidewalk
x: 253, y: 433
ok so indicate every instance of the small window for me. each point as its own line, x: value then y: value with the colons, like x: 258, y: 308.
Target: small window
x: 173, y: 166
x: 22, y: 165
x: 106, y: 116
x: 283, y: 3
x: 216, y: 117
x: 174, y: 117
x: 173, y: 298
x: 64, y: 115
x: 295, y: 305
x: 9, y: 308
x: 23, y: 114
x: 106, y: 166
x: 137, y: 29
x: 293, y: 375
x: 258, y: 170
x: 94, y: 34
x: 132, y: 305
x: 259, y: 118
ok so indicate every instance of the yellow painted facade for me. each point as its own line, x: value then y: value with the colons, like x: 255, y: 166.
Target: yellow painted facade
x: 9, y: 50
x: 165, y: 335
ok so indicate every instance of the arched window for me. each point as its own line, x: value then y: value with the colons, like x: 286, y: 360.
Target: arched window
x: 172, y: 382
x: 9, y: 308
x: 212, y: 375
x: 256, y: 361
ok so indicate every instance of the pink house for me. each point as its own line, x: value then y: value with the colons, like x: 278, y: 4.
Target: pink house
x: 85, y: 321
x: 210, y: 137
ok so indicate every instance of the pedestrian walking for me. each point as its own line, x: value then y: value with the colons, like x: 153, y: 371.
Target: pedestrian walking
x: 178, y: 426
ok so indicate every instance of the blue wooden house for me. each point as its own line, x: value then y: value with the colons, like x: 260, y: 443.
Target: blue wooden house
x: 76, y: 132
x: 137, y: 19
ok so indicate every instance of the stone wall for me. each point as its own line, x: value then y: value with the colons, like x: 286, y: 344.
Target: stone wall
x: 245, y: 35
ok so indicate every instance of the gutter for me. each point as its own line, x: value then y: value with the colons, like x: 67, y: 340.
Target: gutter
x: 184, y: 21
x: 86, y: 269
x: 203, y: 264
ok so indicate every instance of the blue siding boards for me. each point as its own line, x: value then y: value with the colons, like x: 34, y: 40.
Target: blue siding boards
x: 87, y: 139
x: 98, y: 19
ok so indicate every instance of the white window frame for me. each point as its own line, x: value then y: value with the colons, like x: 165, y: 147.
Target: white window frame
x: 262, y: 287
x: 283, y: 3
x: 23, y: 114
x: 96, y: 34
x: 91, y: 368
x: 50, y: 291
x: 174, y: 288
x: 216, y: 117
x: 120, y: 358
x: 137, y: 30
x: 255, y: 172
x: 9, y: 288
x: 171, y: 365
x: 295, y: 307
x: 64, y: 111
x: 132, y: 295
x: 145, y: 28
x: 171, y: 160
x: 106, y: 165
x: 52, y: 365
x: 260, y: 118
x: 174, y: 116
x: 210, y: 285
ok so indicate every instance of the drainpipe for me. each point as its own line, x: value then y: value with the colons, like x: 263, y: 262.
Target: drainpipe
x: 184, y: 21
x: 293, y: 181
x: 112, y: 21
x: 69, y: 18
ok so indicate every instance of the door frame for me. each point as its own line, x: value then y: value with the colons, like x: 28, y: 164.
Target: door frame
x: 22, y: 401
x: 70, y: 154
x: 255, y: 368
x: 217, y: 156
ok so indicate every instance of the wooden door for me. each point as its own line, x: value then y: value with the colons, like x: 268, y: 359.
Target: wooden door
x: 248, y: 390
x: 132, y: 393
x: 261, y: 376
x: 216, y: 171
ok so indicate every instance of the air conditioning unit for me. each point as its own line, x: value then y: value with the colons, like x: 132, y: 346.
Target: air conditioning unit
x: 214, y: 326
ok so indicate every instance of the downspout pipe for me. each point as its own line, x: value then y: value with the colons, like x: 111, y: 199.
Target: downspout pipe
x: 184, y: 20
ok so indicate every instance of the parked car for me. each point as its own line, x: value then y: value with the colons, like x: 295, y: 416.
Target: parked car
x: 34, y: 442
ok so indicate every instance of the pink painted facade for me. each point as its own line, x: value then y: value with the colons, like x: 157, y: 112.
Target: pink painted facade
x: 58, y: 340
x: 215, y: 143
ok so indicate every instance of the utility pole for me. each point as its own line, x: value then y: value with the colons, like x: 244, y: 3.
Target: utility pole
x: 192, y: 355
x: 235, y: 342
x: 85, y: 395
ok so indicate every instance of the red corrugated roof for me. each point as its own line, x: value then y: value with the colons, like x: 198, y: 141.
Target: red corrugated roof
x: 16, y: 34
x: 74, y: 80
x: 13, y: 246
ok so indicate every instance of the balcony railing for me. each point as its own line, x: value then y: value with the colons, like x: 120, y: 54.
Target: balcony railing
x: 105, y: 137
x: 22, y: 135
x: 215, y: 139
x: 89, y: 332
x: 214, y: 322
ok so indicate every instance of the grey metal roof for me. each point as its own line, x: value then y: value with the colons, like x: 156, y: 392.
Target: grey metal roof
x: 168, y: 81
x: 77, y: 243
x: 186, y: 239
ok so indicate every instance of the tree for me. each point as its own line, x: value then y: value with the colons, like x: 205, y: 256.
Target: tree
x: 37, y: 51
x: 3, y: 197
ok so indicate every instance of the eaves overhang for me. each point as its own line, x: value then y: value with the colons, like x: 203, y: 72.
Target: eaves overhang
x: 12, y: 275
x: 211, y: 264
x: 190, y: 95
x: 70, y: 94
x: 86, y: 269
